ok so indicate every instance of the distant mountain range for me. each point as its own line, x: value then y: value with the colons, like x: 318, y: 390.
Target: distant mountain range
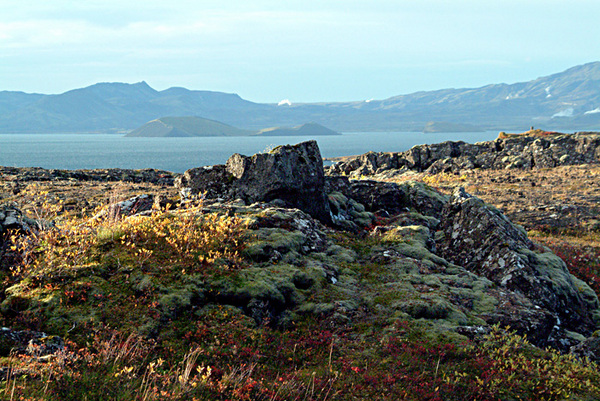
x: 197, y: 126
x: 567, y: 100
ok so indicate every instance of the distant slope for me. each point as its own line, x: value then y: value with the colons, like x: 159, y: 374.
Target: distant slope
x: 186, y: 127
x: 567, y: 100
x: 11, y: 101
x: 309, y: 129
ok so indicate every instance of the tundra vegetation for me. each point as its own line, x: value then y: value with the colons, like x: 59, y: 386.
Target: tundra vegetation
x: 208, y: 303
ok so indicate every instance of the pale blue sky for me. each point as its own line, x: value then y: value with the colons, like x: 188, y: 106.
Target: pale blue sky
x: 300, y: 50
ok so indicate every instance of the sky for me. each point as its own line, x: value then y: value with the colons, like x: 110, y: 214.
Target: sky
x: 304, y: 51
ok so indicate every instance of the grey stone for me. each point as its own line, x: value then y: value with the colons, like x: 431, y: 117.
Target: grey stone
x: 292, y: 173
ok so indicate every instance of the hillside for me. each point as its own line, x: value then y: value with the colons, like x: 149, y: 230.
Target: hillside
x: 186, y: 127
x: 309, y: 129
x: 566, y: 100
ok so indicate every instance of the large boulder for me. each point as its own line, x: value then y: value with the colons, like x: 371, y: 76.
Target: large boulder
x: 481, y: 239
x: 291, y: 173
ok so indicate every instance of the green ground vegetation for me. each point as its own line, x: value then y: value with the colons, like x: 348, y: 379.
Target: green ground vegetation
x: 191, y: 305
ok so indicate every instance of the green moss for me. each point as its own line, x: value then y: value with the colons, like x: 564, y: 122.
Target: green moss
x: 483, y: 303
x: 280, y: 285
x: 109, y: 234
x: 263, y: 241
x: 414, y: 234
x: 337, y: 202
x: 392, y: 293
x: 362, y: 219
x: 411, y: 241
x: 176, y: 299
x: 317, y: 309
x: 336, y: 253
x: 419, y: 252
x: 261, y: 290
x: 415, y: 218
x: 143, y: 283
x: 421, y: 190
x: 358, y: 207
x: 426, y: 309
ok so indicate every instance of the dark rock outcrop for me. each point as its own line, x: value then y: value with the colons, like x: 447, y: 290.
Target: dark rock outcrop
x: 525, y: 151
x: 291, y: 174
x: 293, y: 177
x: 29, y: 342
x: 532, y: 290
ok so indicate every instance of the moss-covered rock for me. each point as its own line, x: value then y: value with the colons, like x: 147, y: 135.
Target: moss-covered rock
x: 484, y: 241
x: 425, y: 309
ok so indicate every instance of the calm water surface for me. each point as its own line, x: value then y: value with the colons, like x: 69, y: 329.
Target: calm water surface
x: 87, y: 151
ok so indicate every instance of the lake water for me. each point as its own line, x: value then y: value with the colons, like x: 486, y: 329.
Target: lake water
x: 88, y: 151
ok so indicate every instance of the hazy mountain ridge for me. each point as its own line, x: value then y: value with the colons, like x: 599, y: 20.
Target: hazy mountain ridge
x: 566, y: 100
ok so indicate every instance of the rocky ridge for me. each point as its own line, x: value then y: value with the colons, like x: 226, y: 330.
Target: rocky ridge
x: 534, y: 149
x: 17, y: 175
x: 529, y: 288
